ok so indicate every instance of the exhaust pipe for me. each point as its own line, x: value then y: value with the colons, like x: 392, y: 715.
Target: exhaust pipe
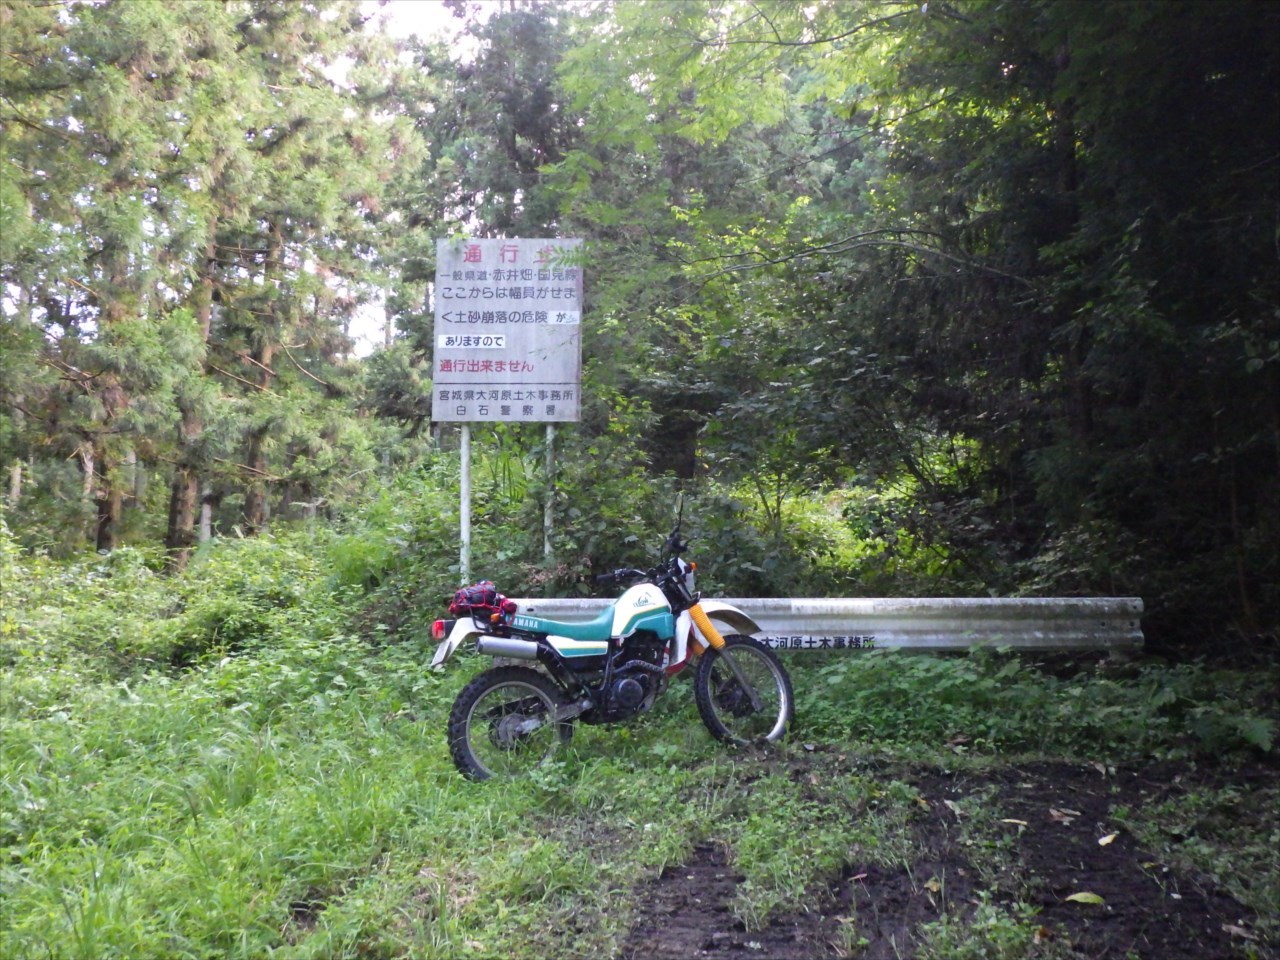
x: 507, y: 647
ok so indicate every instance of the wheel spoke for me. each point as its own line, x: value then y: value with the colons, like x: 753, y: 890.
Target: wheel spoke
x: 509, y: 731
x: 505, y: 723
x: 744, y: 697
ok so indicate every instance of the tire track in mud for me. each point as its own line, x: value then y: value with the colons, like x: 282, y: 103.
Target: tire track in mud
x: 1057, y: 814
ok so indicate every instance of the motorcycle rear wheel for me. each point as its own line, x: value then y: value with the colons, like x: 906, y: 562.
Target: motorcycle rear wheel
x: 726, y: 708
x: 503, y: 723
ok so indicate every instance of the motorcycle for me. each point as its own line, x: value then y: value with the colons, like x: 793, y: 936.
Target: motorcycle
x: 513, y: 717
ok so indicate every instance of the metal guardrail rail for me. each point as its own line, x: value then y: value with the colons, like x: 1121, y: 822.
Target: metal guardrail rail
x: 939, y: 624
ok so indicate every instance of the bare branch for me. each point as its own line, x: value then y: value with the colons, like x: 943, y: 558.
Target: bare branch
x: 327, y: 386
x: 248, y: 469
x: 247, y: 383
x: 816, y: 41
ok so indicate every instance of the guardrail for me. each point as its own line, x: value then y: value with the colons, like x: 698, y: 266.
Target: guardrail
x: 939, y: 624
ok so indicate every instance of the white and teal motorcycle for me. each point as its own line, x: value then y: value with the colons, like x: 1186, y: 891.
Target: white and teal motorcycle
x: 513, y: 717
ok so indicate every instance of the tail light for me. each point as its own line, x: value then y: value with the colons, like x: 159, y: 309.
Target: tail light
x: 439, y: 629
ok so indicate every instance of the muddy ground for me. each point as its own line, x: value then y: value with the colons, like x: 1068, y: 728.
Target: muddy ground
x: 1055, y: 815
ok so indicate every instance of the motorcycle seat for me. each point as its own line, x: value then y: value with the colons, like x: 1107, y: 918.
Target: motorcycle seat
x: 590, y: 631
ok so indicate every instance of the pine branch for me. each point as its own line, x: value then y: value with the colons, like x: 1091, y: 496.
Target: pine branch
x: 244, y: 355
x: 254, y: 470
x: 287, y: 353
x: 247, y: 383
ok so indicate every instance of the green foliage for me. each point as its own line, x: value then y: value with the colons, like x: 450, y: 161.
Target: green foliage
x: 1227, y: 834
x: 403, y: 548
x: 181, y: 156
x: 846, y: 819
x: 994, y: 932
x: 903, y: 298
x: 911, y: 264
x: 959, y: 245
x: 991, y: 702
x: 118, y: 616
x: 289, y: 789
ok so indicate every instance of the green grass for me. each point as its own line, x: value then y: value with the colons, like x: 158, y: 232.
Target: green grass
x: 213, y: 766
x: 1227, y: 834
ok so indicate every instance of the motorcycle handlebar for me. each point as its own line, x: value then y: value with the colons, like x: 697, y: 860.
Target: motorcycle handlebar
x: 622, y: 573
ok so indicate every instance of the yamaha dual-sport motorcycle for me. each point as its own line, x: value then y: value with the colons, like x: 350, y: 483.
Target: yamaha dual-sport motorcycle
x: 513, y: 717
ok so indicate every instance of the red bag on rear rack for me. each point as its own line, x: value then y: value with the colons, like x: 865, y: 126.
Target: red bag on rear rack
x: 478, y: 600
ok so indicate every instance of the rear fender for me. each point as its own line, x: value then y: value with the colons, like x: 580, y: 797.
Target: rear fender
x: 463, y: 630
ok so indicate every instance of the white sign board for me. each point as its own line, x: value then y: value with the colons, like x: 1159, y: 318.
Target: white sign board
x: 507, y: 337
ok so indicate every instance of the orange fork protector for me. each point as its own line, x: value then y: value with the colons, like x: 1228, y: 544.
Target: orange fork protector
x: 703, y: 623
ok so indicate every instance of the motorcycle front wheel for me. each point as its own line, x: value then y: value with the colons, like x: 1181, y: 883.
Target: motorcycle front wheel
x: 503, y: 723
x: 727, y: 708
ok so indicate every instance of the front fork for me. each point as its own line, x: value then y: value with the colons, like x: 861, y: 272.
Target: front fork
x: 713, y: 638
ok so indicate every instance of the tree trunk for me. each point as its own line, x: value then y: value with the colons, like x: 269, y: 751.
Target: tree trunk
x: 208, y: 503
x: 184, y: 490
x: 109, y: 504
x: 257, y: 510
x: 184, y: 494
x: 85, y: 453
x: 15, y: 470
x: 140, y: 478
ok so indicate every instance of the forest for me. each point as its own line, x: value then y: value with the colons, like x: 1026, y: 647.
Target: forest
x: 904, y: 299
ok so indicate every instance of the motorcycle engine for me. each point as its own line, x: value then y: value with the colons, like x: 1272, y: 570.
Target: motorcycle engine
x: 635, y: 684
x: 628, y: 693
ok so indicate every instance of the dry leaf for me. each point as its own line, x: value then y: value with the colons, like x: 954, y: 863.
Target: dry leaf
x: 1063, y: 816
x: 933, y: 885
x: 1103, y: 841
x: 1021, y: 823
x: 1085, y: 897
x: 954, y: 808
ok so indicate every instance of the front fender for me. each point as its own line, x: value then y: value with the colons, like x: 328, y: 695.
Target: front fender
x: 728, y: 614
x: 463, y: 630
x: 729, y: 619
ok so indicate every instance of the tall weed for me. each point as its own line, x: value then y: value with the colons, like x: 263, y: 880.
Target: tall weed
x: 217, y: 764
x: 989, y: 701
